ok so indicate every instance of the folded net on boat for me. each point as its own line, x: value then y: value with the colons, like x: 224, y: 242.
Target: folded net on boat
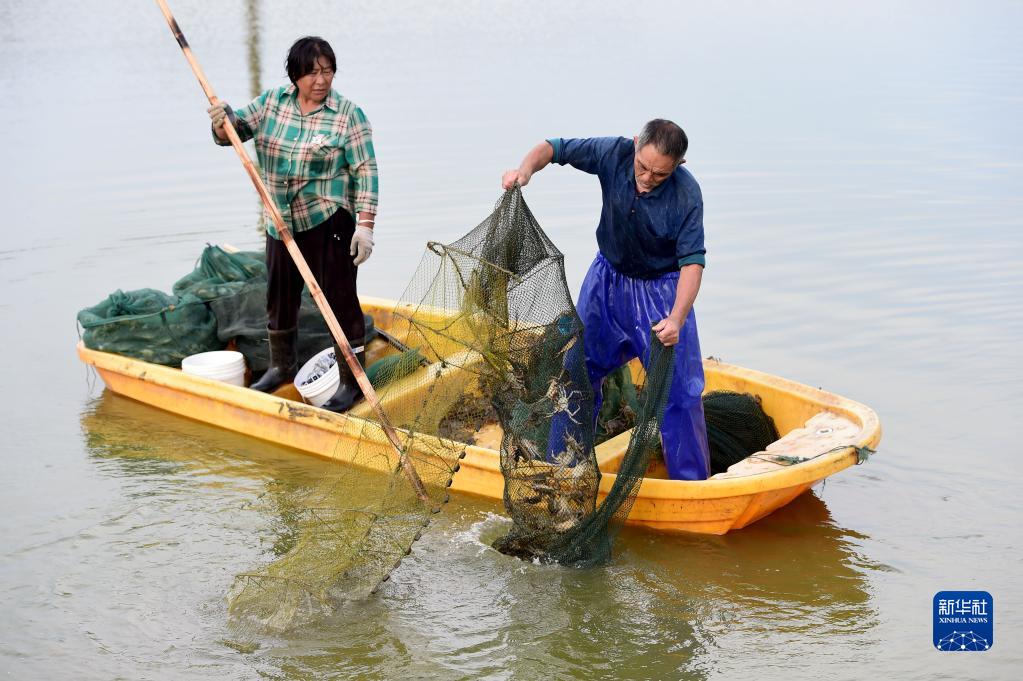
x: 221, y: 301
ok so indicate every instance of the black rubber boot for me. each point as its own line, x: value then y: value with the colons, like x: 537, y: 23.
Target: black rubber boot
x: 348, y: 390
x: 283, y: 361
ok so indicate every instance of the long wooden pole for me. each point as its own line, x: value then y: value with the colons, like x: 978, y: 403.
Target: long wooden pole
x: 303, y: 267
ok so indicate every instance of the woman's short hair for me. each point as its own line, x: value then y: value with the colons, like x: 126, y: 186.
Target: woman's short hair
x: 304, y: 55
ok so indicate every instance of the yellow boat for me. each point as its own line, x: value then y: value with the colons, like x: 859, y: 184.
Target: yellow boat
x: 822, y: 434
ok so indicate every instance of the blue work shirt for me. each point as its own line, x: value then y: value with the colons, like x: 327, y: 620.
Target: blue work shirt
x: 641, y: 235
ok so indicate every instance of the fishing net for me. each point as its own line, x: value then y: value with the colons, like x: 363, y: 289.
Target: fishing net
x: 234, y: 285
x: 241, y: 319
x: 619, y: 406
x: 165, y: 328
x: 500, y: 306
x: 150, y: 325
x: 221, y: 302
x: 219, y: 273
x: 737, y: 427
x: 491, y: 317
x: 556, y: 518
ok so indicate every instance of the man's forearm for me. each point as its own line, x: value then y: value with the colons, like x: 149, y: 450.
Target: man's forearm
x: 689, y: 279
x: 537, y: 159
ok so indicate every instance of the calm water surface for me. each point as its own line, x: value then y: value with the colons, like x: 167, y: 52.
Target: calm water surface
x: 861, y: 165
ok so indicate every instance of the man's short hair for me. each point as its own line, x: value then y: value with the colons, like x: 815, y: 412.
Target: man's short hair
x: 667, y: 138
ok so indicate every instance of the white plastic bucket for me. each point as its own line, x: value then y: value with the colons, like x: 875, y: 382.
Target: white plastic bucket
x: 220, y: 365
x: 317, y: 391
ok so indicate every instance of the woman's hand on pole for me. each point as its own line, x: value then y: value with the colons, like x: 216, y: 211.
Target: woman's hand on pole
x: 218, y: 112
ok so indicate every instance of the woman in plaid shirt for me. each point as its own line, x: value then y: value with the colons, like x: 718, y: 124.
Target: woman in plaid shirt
x: 315, y: 150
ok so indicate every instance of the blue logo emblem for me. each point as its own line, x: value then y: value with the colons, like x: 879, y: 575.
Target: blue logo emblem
x: 964, y: 621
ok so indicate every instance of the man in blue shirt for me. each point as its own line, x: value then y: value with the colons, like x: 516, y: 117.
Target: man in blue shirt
x: 647, y: 272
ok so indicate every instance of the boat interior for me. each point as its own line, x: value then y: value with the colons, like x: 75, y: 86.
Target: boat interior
x: 811, y: 422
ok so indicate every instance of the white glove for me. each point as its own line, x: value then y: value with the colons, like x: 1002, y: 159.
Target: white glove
x: 217, y: 112
x: 362, y: 245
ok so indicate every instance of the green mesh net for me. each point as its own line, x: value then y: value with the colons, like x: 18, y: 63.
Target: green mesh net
x: 222, y: 301
x: 619, y: 407
x: 220, y: 273
x: 241, y: 318
x: 494, y: 345
x: 553, y: 503
x: 737, y: 427
x: 234, y: 285
x: 150, y: 325
x: 165, y: 328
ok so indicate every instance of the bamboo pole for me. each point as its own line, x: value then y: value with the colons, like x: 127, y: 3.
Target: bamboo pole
x: 314, y: 288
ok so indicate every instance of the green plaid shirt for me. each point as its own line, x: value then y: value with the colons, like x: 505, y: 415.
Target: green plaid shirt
x: 312, y: 164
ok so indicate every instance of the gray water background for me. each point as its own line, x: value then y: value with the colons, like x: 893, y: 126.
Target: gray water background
x: 861, y: 167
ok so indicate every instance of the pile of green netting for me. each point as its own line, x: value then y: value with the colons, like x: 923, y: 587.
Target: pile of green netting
x: 150, y: 325
x: 737, y: 427
x: 222, y: 300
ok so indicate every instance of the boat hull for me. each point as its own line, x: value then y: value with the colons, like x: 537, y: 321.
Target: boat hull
x: 713, y: 506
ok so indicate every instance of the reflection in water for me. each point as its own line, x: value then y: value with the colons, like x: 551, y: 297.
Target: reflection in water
x: 321, y: 513
x: 252, y: 44
x: 146, y: 442
x: 252, y: 24
x: 134, y: 440
x: 142, y: 440
x: 795, y: 574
